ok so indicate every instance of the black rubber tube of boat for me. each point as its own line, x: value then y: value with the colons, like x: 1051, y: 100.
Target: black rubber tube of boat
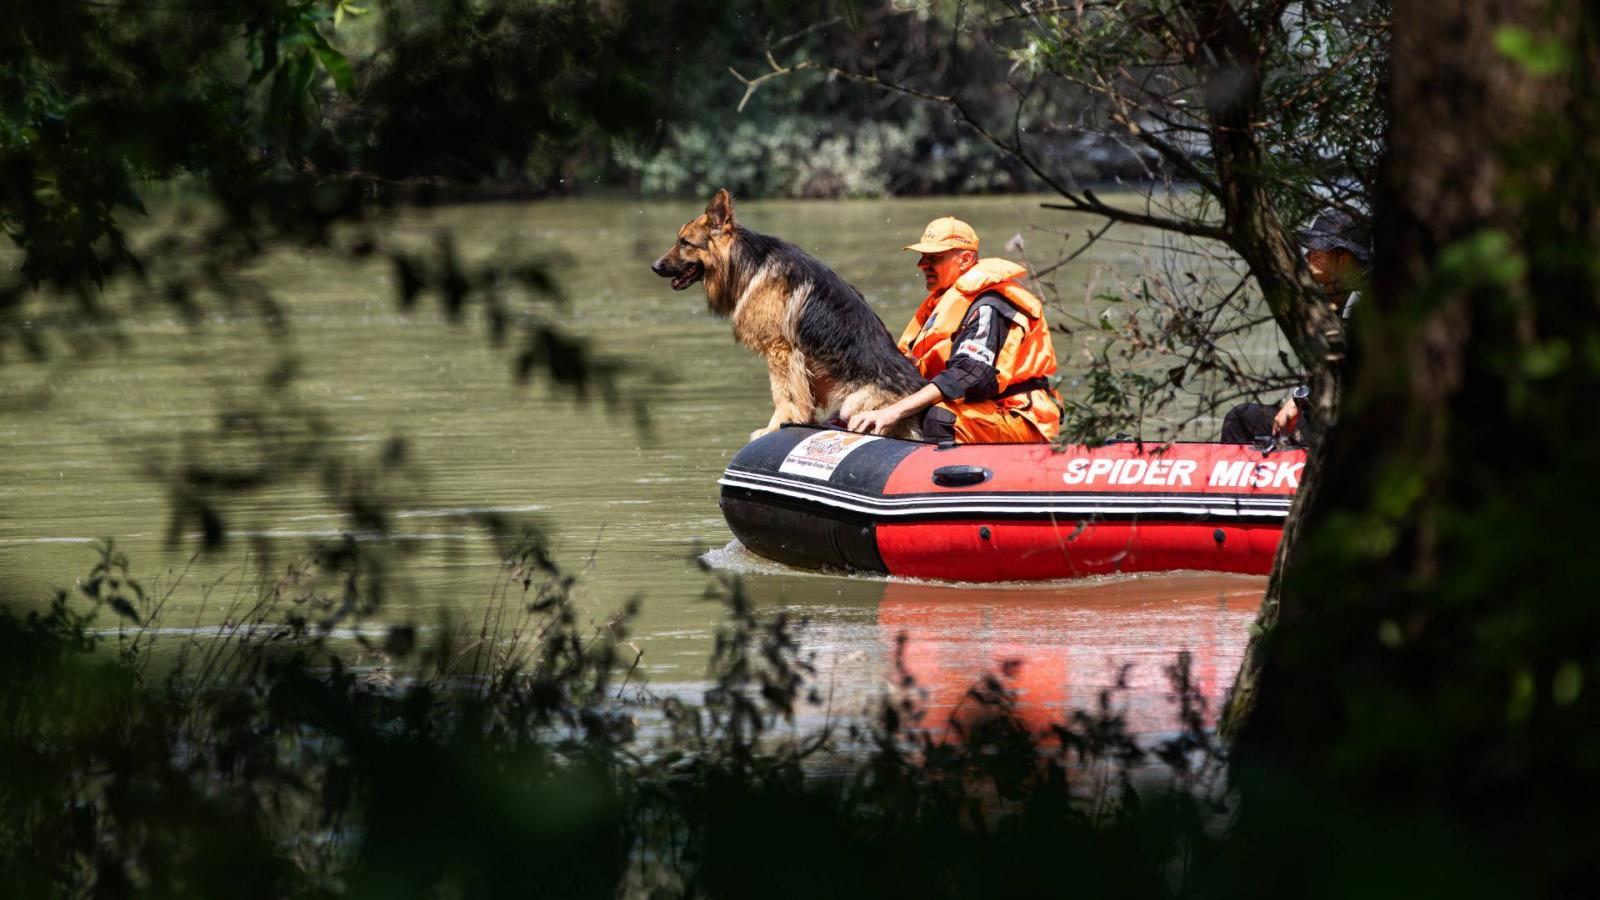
x: 808, y: 535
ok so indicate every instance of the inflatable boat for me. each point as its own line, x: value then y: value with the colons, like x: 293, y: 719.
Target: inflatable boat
x: 824, y: 499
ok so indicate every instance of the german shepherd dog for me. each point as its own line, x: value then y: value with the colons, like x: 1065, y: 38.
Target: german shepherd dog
x: 828, y: 354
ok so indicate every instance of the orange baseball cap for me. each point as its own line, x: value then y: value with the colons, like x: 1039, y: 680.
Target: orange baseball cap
x: 948, y: 233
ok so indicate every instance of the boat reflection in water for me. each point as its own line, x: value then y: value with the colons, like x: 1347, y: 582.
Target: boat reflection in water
x: 1060, y: 646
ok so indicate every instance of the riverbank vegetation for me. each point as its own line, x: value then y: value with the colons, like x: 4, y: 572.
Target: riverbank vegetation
x: 272, y: 757
x: 1418, y: 715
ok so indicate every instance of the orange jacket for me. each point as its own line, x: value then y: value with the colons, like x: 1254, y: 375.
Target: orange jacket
x: 1027, y: 356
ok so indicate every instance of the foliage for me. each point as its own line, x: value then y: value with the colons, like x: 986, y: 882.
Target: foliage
x: 97, y: 101
x: 1425, y: 723
x: 1434, y: 615
x: 504, y: 91
x: 809, y: 157
x: 1268, y: 113
x: 253, y: 105
x: 1169, y: 346
x: 1241, y: 120
x: 823, y: 137
x: 276, y: 758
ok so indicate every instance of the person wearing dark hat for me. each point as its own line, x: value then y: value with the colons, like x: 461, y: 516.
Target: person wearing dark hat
x: 1339, y: 255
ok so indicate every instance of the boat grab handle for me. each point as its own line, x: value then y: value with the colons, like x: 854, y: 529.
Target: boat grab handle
x: 960, y: 476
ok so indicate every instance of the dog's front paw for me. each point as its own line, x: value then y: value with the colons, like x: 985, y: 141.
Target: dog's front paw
x: 762, y: 432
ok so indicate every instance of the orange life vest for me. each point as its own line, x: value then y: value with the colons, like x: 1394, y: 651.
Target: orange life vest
x: 1025, y: 360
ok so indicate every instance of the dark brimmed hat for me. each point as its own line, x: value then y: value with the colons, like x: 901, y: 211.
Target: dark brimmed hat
x: 1335, y: 230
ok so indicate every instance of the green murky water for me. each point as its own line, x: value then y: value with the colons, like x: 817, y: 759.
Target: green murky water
x: 632, y: 513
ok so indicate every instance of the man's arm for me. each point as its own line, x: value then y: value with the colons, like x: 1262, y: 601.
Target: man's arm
x: 878, y: 421
x: 970, y: 374
x: 1288, y: 417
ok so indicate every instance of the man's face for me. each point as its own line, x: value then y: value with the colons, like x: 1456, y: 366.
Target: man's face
x: 940, y: 270
x: 1336, y: 270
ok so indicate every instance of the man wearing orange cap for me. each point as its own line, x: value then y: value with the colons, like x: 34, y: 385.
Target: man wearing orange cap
x: 980, y: 339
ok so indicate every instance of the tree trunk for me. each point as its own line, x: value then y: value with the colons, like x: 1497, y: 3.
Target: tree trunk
x: 1432, y: 678
x: 1228, y: 57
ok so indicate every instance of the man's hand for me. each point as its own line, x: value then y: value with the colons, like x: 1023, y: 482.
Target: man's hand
x: 875, y: 421
x: 879, y: 421
x: 1287, y: 418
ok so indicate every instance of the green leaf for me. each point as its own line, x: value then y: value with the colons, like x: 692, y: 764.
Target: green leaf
x: 1567, y: 683
x: 1546, y: 358
x: 124, y: 608
x: 1519, y: 706
x: 1399, y: 488
x: 128, y: 197
x: 851, y: 13
x: 294, y: 40
x: 302, y: 71
x: 1484, y: 258
x: 334, y: 63
x: 346, y: 8
x: 1541, y: 58
x: 1389, y: 633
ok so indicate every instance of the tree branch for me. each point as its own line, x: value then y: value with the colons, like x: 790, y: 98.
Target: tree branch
x: 750, y: 84
x: 1094, y: 237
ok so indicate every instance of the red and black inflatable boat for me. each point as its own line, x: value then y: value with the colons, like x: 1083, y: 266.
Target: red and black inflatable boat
x: 824, y: 499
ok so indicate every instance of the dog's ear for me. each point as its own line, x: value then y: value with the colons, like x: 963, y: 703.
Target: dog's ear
x: 719, y: 212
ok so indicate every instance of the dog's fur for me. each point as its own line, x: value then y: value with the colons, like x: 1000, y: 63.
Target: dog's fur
x: 828, y: 354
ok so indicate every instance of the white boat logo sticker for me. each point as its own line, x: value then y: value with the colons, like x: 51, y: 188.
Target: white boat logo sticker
x: 819, y: 454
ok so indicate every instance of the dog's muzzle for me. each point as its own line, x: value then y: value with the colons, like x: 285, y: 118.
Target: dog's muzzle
x: 682, y: 276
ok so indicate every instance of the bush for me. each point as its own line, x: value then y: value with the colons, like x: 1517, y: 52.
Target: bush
x: 273, y: 760
x: 814, y: 157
